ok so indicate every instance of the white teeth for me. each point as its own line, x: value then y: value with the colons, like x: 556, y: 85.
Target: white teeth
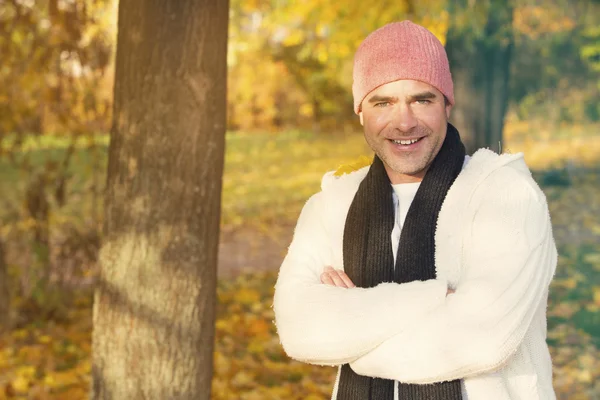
x: 406, y: 141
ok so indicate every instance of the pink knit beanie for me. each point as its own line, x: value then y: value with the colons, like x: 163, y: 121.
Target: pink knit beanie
x: 400, y: 50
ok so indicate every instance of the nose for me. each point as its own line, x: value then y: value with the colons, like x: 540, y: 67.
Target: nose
x: 404, y: 118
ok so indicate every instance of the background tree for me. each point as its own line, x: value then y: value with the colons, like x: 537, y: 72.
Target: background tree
x: 556, y: 66
x: 55, y: 79
x: 480, y: 44
x: 521, y: 54
x: 155, y: 302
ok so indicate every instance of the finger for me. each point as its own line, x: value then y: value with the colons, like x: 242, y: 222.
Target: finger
x: 339, y: 282
x: 326, y: 279
x: 346, y: 279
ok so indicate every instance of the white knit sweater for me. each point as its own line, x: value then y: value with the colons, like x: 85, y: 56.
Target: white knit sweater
x: 494, y: 246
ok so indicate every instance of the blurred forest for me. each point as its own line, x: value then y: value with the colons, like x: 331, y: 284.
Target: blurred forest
x: 290, y: 120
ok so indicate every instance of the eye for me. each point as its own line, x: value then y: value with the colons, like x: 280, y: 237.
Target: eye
x: 382, y: 104
x: 423, y: 101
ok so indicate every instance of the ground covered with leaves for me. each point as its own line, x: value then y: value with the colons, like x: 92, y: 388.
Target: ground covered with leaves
x: 49, y: 357
x: 52, y: 360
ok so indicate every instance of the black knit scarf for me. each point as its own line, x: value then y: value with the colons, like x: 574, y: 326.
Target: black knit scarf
x: 368, y: 257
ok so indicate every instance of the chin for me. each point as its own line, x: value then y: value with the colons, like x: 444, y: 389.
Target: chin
x: 410, y: 172
x: 405, y: 169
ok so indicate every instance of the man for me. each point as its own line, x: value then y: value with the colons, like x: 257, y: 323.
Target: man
x: 426, y: 274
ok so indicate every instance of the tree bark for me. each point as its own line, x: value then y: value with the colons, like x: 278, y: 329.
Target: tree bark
x: 4, y: 292
x: 480, y: 65
x: 154, y: 305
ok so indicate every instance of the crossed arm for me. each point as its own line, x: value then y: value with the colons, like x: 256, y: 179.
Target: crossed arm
x: 421, y: 332
x: 338, y: 278
x: 328, y: 325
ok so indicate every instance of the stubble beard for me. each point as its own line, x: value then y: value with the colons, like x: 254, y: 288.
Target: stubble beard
x: 411, y: 163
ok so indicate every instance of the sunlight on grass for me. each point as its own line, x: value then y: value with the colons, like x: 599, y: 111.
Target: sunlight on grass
x: 565, y: 146
x: 269, y: 176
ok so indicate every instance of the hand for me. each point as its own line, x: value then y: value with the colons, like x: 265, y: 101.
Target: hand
x: 450, y: 291
x: 336, y: 277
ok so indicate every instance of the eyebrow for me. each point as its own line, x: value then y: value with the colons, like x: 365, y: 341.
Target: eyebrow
x: 378, y: 98
x: 417, y: 96
x: 422, y: 96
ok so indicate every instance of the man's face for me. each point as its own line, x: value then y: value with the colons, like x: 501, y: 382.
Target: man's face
x: 405, y: 124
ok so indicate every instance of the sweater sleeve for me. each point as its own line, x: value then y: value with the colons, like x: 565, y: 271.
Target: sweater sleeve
x: 326, y: 325
x: 510, y: 258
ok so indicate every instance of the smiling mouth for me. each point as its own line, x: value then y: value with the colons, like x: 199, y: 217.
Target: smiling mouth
x: 405, y: 142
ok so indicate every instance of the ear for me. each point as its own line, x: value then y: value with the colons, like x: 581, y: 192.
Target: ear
x: 360, y: 117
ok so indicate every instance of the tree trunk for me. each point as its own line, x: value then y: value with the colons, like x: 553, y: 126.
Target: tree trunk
x: 4, y: 292
x: 481, y: 70
x: 154, y: 304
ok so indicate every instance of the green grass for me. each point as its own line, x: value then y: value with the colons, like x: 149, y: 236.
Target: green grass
x: 576, y: 288
x: 267, y: 177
